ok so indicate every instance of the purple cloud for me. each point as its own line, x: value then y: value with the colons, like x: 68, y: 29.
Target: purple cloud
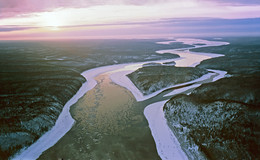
x: 10, y: 8
x: 14, y: 28
x: 238, y: 2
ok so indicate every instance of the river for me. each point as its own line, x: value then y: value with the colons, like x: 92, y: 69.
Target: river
x: 109, y: 125
x: 110, y: 121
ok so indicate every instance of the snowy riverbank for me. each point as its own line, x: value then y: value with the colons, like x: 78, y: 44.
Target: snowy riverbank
x: 118, y: 75
x: 64, y: 121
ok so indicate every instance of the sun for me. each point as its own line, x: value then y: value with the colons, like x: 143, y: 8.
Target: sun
x: 52, y: 20
x: 54, y: 23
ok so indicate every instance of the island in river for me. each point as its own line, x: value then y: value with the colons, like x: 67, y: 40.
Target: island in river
x: 220, y: 119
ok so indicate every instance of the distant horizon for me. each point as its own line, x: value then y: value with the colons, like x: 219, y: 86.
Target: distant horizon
x: 129, y: 38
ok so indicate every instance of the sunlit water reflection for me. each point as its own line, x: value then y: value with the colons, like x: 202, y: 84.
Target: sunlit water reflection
x: 109, y: 125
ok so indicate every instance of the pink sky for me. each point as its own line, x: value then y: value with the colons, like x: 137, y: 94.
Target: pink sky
x: 31, y: 19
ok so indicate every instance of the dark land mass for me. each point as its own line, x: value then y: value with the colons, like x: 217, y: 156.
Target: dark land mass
x: 222, y: 118
x: 242, y: 56
x: 38, y: 77
x: 150, y: 79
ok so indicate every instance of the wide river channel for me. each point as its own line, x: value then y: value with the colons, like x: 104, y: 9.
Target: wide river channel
x: 110, y: 122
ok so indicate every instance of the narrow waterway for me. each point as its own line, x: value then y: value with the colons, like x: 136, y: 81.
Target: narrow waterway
x: 109, y: 125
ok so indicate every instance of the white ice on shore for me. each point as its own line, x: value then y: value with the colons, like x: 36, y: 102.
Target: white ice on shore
x: 121, y: 79
x: 221, y: 74
x: 187, y: 59
x: 192, y: 59
x: 166, y: 42
x: 168, y: 147
x: 167, y: 144
x: 64, y: 121
x: 217, y: 75
x: 180, y: 90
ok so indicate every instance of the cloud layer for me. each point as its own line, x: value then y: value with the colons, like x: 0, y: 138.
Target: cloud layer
x: 10, y: 8
x: 110, y: 17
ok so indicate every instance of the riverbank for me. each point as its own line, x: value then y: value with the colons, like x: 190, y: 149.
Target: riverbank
x: 64, y: 121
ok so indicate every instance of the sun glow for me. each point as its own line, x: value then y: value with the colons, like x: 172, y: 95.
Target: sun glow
x: 52, y: 20
x: 119, y: 19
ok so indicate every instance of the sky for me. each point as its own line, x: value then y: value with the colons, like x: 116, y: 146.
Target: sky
x: 83, y: 19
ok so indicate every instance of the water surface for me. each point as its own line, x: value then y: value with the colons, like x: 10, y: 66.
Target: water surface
x: 109, y: 125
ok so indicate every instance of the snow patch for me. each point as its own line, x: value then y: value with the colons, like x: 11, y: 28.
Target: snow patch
x: 167, y: 145
x: 176, y: 91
